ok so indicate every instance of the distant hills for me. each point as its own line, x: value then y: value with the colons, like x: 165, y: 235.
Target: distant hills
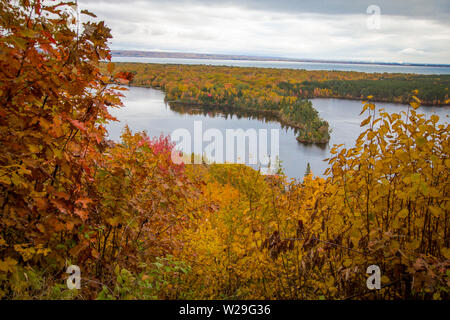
x: 187, y: 55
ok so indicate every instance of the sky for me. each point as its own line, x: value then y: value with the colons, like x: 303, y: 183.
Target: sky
x: 409, y: 31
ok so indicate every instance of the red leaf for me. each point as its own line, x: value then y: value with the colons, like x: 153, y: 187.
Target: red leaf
x: 49, y: 36
x: 38, y: 7
x: 124, y: 77
x: 79, y: 125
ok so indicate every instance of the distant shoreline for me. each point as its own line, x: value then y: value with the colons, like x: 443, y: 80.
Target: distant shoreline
x: 186, y: 55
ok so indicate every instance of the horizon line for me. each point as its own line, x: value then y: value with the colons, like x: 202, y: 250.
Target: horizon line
x: 220, y: 56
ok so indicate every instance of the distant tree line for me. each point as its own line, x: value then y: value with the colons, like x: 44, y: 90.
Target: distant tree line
x: 433, y: 90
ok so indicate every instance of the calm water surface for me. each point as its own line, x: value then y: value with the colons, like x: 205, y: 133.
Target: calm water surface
x: 145, y: 109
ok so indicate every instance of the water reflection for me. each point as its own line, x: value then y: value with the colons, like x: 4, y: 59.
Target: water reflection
x: 230, y: 113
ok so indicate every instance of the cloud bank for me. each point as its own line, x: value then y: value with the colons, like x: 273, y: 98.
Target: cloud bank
x: 409, y: 31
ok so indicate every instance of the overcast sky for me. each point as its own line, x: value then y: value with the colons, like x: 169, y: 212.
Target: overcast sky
x: 409, y: 30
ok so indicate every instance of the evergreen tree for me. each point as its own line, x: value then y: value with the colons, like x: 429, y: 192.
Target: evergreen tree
x: 308, y: 170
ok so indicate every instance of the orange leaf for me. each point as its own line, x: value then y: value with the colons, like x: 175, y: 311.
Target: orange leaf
x: 83, y: 214
x: 84, y: 202
x: 62, y: 195
x: 95, y: 253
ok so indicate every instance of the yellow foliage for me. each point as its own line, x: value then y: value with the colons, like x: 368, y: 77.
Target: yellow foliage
x: 385, y: 202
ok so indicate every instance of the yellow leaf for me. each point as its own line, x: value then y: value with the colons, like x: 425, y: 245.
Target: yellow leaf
x: 436, y: 296
x: 415, y: 105
x: 434, y: 118
x: 435, y: 211
x: 7, y: 265
x: 347, y: 263
x: 403, y: 213
x: 446, y: 253
x: 366, y: 121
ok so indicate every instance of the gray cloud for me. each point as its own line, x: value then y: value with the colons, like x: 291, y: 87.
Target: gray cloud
x: 411, y: 31
x: 411, y: 8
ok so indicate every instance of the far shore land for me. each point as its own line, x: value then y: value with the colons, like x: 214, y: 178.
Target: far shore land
x: 187, y: 55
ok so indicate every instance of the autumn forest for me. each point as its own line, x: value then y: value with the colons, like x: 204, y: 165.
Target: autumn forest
x: 140, y: 226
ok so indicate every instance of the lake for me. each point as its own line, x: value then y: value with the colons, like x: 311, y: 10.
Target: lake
x: 145, y: 109
x: 369, y: 68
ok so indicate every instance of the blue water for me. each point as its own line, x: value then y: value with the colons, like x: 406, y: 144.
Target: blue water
x: 145, y: 109
x: 293, y: 65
